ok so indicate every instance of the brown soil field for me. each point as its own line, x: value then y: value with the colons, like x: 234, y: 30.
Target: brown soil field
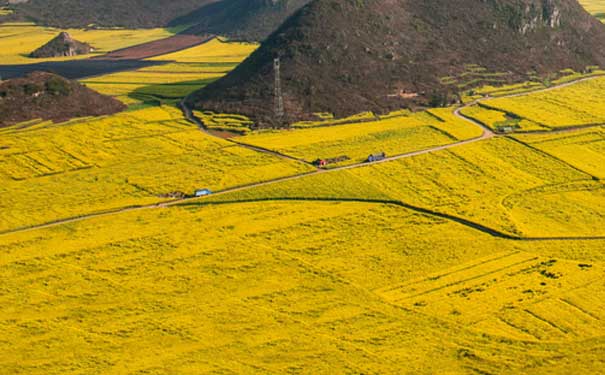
x: 157, y: 47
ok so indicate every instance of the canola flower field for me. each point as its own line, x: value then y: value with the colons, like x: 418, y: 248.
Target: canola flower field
x: 498, y: 183
x: 393, y: 136
x: 497, y: 120
x: 302, y: 287
x: 53, y: 171
x: 185, y: 72
x: 480, y: 259
x: 580, y: 104
x: 19, y: 40
x: 595, y: 7
x: 584, y: 150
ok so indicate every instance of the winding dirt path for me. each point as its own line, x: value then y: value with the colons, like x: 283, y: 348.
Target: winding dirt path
x: 188, y: 113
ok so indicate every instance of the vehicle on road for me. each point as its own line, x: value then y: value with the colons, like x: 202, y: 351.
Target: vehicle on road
x: 202, y: 192
x: 376, y: 157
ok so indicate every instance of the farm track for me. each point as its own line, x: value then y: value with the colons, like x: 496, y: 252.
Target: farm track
x: 188, y: 113
x: 487, y: 134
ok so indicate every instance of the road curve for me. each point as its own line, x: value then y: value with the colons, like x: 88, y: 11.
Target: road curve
x: 188, y: 113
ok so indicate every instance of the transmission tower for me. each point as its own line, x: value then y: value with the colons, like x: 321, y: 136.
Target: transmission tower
x: 278, y: 97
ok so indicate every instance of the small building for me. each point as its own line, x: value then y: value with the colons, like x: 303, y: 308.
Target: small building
x: 505, y: 129
x: 202, y: 192
x: 322, y: 163
x: 376, y: 157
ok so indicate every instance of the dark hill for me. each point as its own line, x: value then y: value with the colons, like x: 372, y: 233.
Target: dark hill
x: 50, y: 97
x: 347, y: 56
x: 62, y: 45
x: 248, y: 20
x: 104, y: 13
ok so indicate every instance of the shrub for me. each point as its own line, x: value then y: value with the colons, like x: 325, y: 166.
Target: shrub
x: 57, y: 86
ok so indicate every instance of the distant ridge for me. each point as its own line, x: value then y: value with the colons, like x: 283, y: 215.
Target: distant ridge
x: 345, y: 56
x: 103, y: 13
x: 247, y: 20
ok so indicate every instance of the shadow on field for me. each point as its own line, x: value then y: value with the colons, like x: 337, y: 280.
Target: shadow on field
x: 76, y: 69
x: 168, y: 92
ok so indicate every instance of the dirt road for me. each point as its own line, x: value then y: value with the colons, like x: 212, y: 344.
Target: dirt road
x: 188, y: 113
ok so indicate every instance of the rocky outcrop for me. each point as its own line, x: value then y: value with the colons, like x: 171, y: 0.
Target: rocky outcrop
x: 531, y: 15
x: 61, y: 46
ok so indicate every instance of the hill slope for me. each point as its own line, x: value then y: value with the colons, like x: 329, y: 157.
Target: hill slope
x: 50, y: 97
x: 105, y: 13
x: 344, y: 56
x: 62, y: 45
x: 249, y: 20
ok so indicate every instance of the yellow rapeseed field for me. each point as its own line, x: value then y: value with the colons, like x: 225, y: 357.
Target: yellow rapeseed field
x: 485, y: 258
x: 576, y: 105
x: 584, y: 149
x: 296, y: 287
x: 186, y: 72
x: 498, y: 183
x: 394, y: 136
x: 218, y: 51
x: 596, y: 7
x: 18, y: 40
x: 54, y: 171
x: 328, y: 119
x: 139, y: 86
x: 486, y: 116
x: 497, y: 120
x: 222, y: 122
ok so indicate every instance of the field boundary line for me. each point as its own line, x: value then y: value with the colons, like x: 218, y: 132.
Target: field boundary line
x: 188, y: 113
x: 462, y: 221
x: 565, y: 301
x: 565, y: 331
x: 544, y: 153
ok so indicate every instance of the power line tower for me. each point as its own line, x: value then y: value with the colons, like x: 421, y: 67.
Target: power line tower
x: 277, y: 95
